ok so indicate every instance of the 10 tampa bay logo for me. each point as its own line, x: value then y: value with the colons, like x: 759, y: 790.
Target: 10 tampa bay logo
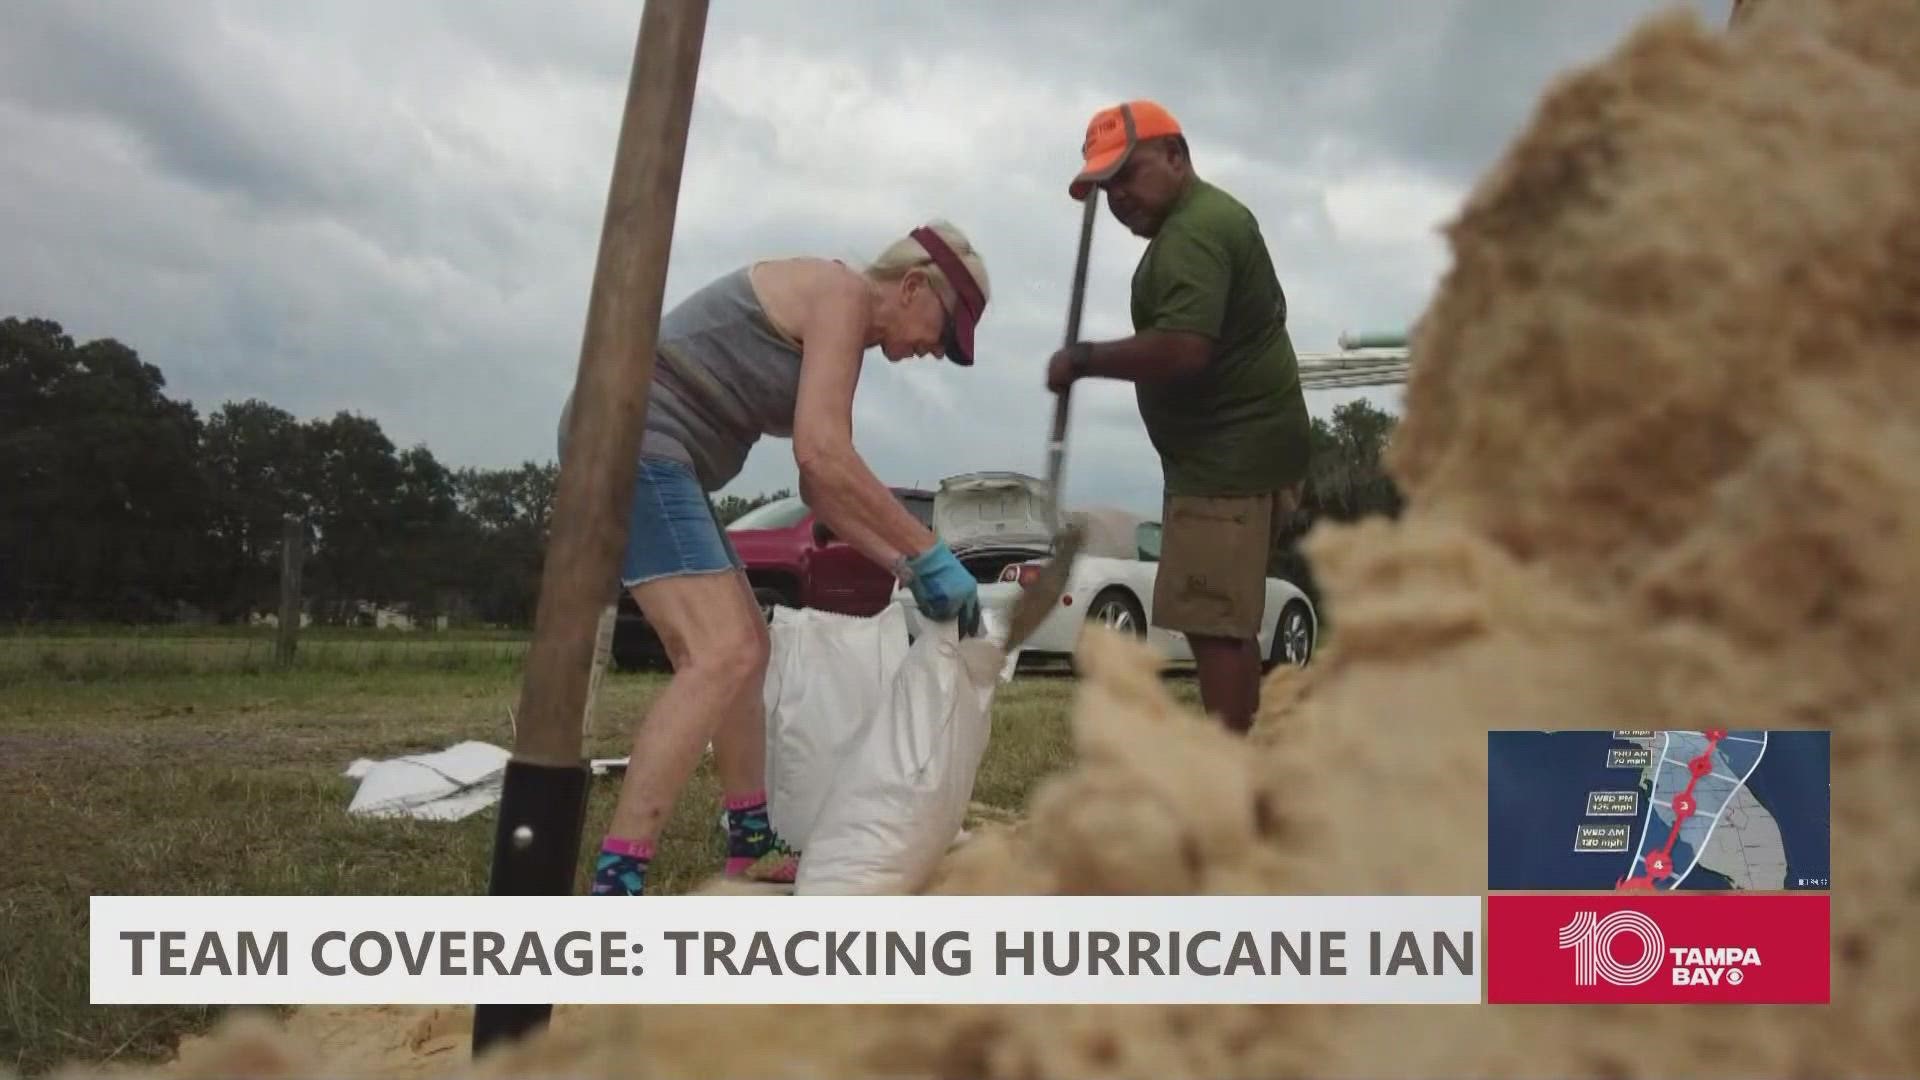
x: 1736, y: 947
x: 1592, y: 940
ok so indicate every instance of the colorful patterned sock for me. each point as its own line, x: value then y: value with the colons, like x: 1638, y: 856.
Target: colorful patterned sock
x: 621, y: 869
x: 753, y: 848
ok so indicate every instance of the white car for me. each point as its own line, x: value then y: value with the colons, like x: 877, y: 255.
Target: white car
x: 996, y: 525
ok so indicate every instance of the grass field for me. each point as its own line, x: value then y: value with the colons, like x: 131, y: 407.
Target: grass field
x: 106, y: 652
x: 183, y: 781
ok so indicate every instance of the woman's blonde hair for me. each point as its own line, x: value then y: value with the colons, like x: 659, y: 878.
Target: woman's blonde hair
x: 907, y: 254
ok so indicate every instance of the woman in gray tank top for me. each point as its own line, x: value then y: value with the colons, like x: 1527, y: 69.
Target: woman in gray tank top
x: 774, y: 348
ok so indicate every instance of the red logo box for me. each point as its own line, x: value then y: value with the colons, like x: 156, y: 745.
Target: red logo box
x: 1671, y: 949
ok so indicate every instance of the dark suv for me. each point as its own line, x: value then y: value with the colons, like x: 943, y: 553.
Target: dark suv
x: 792, y: 560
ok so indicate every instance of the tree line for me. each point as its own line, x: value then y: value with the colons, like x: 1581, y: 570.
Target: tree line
x: 1345, y: 482
x: 119, y: 503
x: 122, y: 504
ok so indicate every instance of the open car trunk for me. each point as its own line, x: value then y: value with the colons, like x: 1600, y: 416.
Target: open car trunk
x: 986, y: 563
x: 992, y: 509
x: 993, y: 520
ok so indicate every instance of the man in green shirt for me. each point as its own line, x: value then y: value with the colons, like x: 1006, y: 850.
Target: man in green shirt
x: 1218, y: 386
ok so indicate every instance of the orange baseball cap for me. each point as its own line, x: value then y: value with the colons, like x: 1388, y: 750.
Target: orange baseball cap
x: 1111, y: 136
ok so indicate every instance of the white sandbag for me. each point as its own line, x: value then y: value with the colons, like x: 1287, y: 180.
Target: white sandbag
x: 993, y: 629
x: 826, y: 673
x: 900, y: 794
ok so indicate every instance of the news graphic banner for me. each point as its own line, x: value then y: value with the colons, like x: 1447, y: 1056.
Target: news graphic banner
x: 1640, y: 948
x: 778, y: 950
x: 1709, y: 810
x: 1703, y: 856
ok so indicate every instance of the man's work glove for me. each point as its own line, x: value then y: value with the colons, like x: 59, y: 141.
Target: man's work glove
x: 943, y: 588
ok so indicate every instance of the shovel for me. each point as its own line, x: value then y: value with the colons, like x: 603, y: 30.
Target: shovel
x: 1039, y: 596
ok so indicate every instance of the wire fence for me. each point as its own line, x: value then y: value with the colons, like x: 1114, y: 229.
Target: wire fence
x: 80, y: 656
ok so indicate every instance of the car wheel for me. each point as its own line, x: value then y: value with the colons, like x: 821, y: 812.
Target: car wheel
x: 1293, y: 636
x: 1117, y: 610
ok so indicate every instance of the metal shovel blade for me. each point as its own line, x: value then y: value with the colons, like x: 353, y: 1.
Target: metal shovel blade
x: 1038, y: 597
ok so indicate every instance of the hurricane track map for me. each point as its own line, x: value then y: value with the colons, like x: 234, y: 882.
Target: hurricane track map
x: 1658, y: 810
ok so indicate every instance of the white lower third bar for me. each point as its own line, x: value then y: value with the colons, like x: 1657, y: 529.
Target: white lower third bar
x: 433, y: 950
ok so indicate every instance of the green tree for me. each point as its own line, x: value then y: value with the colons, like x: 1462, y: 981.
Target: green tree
x: 505, y: 518
x: 103, y: 509
x: 423, y: 536
x: 254, y: 459
x: 731, y: 508
x: 1346, y: 481
x: 356, y: 478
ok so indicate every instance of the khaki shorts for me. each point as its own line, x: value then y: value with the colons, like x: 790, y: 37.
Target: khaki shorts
x: 1215, y: 554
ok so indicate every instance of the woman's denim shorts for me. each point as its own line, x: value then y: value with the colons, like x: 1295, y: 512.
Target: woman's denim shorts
x: 673, y: 529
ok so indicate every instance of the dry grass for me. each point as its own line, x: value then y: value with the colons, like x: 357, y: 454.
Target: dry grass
x: 232, y: 784
x: 94, y: 652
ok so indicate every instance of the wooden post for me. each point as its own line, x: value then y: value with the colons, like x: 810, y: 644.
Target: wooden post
x: 543, y: 791
x: 293, y: 543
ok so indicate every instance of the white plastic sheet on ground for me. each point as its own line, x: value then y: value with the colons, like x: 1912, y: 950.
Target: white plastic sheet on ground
x: 445, y: 785
x: 873, y: 746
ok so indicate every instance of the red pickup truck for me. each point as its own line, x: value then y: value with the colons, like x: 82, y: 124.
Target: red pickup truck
x: 793, y: 560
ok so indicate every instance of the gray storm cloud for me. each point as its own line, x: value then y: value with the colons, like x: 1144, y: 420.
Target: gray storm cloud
x: 393, y: 208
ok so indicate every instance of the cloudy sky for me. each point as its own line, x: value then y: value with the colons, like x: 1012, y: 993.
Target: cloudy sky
x: 392, y: 208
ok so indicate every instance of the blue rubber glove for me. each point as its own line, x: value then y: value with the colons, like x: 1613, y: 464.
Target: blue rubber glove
x: 944, y: 589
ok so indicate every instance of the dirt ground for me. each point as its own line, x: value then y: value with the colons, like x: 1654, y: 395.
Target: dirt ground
x: 1659, y: 455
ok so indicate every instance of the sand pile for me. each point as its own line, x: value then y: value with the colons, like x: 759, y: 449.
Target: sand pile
x: 1662, y: 453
